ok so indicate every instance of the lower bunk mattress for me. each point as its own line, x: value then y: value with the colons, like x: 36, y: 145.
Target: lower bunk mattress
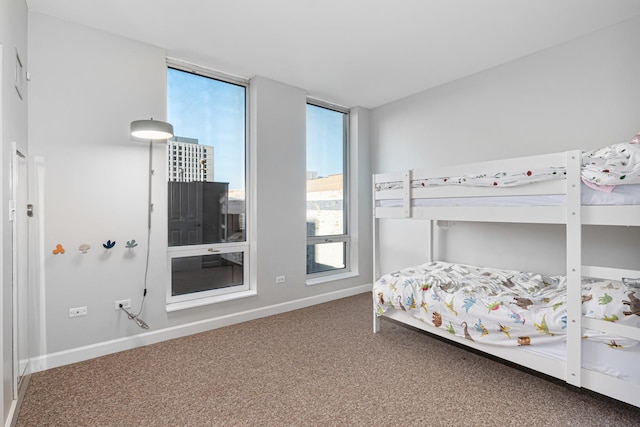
x: 504, y: 307
x: 518, y: 309
x: 622, y: 363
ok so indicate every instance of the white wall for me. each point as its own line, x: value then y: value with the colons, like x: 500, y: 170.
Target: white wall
x: 582, y: 94
x: 278, y: 129
x: 13, y: 128
x: 360, y: 192
x: 86, y: 87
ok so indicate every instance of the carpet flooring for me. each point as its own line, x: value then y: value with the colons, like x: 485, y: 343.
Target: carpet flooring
x: 318, y: 366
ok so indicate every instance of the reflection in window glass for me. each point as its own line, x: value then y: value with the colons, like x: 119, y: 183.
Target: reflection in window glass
x: 323, y: 257
x: 203, y: 273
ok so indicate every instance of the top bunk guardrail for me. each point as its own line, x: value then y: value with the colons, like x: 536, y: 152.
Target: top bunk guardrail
x: 534, y: 197
x: 410, y: 193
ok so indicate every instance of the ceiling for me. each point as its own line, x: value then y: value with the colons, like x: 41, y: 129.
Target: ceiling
x: 348, y: 52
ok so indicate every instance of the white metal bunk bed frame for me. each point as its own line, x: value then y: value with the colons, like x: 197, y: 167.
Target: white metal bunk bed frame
x: 572, y: 214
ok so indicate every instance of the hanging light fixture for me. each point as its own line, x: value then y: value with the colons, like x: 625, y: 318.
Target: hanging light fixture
x: 151, y: 129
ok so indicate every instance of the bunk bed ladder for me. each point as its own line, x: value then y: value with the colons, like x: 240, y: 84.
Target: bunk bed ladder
x: 574, y: 269
x: 406, y: 213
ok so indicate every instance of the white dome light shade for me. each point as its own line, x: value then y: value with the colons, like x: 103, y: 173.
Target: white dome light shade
x: 151, y: 129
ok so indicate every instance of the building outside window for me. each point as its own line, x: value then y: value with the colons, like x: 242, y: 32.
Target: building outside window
x: 328, y: 240
x: 206, y: 174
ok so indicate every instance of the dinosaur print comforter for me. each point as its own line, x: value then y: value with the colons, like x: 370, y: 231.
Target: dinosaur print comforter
x: 509, y: 308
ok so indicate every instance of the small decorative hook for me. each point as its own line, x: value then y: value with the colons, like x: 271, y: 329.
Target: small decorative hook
x: 131, y: 244
x: 58, y: 250
x: 109, y: 244
x: 84, y: 248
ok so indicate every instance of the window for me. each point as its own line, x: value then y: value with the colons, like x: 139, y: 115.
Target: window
x: 328, y: 241
x: 206, y: 174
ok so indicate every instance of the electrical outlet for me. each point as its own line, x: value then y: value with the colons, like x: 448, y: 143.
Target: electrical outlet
x: 78, y: 311
x: 280, y: 279
x: 126, y: 303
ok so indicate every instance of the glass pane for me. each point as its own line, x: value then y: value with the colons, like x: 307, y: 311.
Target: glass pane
x: 199, y: 213
x: 326, y: 257
x: 205, y: 160
x: 325, y: 171
x: 206, y: 272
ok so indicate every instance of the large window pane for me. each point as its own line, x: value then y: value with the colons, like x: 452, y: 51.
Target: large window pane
x: 326, y: 189
x: 206, y: 160
x: 325, y: 171
x: 206, y: 174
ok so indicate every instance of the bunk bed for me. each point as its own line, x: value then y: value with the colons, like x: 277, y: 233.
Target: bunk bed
x: 555, y: 325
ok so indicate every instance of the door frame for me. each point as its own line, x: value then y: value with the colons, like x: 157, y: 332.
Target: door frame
x: 20, y: 244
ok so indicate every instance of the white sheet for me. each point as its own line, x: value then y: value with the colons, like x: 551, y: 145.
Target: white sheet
x: 623, y: 195
x: 619, y: 363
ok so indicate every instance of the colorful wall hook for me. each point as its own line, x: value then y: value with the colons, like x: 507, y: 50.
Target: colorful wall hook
x: 58, y: 250
x: 109, y: 244
x: 131, y: 244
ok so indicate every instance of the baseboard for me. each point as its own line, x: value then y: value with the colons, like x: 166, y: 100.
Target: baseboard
x: 80, y: 354
x: 12, y: 416
x: 14, y: 412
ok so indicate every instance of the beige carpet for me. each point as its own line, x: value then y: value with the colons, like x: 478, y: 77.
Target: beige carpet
x: 319, y: 366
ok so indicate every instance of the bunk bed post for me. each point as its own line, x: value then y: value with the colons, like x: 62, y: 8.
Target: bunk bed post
x: 374, y: 222
x: 376, y: 273
x: 574, y: 269
x: 406, y: 193
x: 431, y: 255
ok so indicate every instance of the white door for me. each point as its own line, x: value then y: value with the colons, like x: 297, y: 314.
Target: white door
x: 18, y: 206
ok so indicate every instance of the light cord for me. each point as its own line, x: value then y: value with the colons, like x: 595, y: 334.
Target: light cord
x: 138, y: 320
x: 149, y: 207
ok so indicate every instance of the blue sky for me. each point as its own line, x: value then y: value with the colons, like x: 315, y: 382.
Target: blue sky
x: 324, y: 141
x: 212, y: 112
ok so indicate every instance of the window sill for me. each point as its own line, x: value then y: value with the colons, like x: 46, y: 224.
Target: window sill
x: 331, y: 278
x: 185, y: 305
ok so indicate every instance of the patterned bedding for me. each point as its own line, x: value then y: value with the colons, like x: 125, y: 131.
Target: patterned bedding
x: 502, y: 307
x: 602, y: 169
